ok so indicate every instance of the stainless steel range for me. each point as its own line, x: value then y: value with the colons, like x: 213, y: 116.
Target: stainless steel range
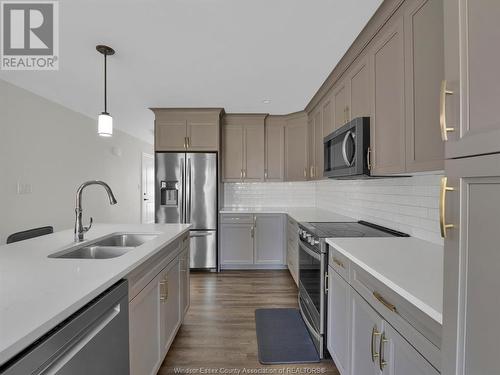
x: 313, y: 268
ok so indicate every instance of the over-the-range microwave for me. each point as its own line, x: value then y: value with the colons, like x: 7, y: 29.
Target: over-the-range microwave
x: 346, y: 150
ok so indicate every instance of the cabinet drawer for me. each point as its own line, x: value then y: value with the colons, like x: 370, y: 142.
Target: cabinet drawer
x: 338, y: 262
x: 237, y: 219
x: 418, y: 328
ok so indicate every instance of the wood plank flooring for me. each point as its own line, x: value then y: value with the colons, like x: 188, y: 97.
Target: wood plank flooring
x: 218, y: 335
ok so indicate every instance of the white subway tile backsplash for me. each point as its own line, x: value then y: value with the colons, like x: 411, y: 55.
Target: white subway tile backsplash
x: 408, y: 204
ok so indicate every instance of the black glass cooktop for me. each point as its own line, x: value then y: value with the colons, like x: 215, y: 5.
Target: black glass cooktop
x: 349, y: 229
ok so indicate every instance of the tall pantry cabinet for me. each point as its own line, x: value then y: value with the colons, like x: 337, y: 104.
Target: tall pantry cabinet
x: 470, y: 191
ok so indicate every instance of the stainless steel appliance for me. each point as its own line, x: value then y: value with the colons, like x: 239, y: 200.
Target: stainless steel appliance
x: 313, y: 268
x: 346, y: 150
x: 94, y: 340
x: 186, y: 192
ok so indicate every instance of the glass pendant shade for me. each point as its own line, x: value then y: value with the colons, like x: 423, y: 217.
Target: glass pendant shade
x: 105, y: 125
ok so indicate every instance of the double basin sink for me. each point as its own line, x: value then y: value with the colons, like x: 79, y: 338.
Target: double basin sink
x: 112, y: 246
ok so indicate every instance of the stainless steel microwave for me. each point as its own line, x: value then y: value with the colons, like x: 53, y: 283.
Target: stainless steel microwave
x: 346, y: 150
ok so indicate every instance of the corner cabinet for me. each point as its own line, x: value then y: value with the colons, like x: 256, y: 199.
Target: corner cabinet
x: 243, y: 148
x: 275, y: 148
x: 187, y: 129
x: 296, y: 147
x: 159, y: 298
x: 252, y: 241
x: 472, y: 90
x: 471, y: 261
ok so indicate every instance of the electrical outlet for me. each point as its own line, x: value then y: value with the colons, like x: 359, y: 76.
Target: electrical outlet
x: 24, y: 188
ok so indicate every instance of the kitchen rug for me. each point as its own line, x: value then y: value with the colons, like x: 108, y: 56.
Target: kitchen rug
x: 282, y: 337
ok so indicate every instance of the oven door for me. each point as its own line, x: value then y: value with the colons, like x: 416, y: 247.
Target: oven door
x: 311, y: 284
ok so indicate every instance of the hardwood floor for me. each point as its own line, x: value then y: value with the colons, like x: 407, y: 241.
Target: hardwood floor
x: 218, y: 335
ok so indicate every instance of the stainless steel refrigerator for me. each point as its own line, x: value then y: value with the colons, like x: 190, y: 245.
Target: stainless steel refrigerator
x: 186, y: 192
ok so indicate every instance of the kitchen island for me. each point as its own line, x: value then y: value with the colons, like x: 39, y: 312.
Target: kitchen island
x: 38, y: 292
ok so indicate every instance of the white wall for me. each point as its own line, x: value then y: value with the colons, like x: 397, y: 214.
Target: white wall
x: 406, y: 204
x: 55, y: 149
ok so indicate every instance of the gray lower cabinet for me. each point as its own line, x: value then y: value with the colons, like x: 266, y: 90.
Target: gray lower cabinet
x: 472, y: 91
x: 159, y: 293
x: 252, y: 241
x: 339, y: 317
x: 471, y: 264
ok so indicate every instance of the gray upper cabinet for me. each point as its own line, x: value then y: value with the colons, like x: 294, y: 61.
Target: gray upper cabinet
x: 388, y: 130
x: 187, y: 129
x: 341, y: 108
x: 296, y: 147
x: 471, y: 260
x: 327, y: 114
x: 472, y: 95
x: 275, y: 148
x: 360, y: 89
x: 318, y: 144
x: 424, y: 71
x: 243, y: 152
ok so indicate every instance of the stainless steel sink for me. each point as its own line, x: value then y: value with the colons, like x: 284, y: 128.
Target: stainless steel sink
x: 126, y: 240
x: 112, y: 246
x: 94, y: 252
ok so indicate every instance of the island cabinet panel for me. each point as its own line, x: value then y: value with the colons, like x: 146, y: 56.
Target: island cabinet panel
x: 472, y: 58
x: 339, y: 321
x: 296, y: 148
x: 471, y: 259
x: 275, y: 148
x: 145, y: 330
x: 388, y: 130
x: 160, y: 297
x: 424, y: 59
x: 187, y: 129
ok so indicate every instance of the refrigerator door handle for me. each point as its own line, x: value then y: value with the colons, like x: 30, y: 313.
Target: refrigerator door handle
x: 183, y: 219
x: 188, y: 199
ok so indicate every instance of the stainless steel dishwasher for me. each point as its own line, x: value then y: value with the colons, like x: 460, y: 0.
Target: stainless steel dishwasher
x: 94, y: 341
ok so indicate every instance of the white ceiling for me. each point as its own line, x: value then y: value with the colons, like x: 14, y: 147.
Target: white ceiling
x: 196, y: 53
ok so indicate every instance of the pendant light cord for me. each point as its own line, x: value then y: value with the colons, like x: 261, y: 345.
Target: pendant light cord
x: 105, y: 84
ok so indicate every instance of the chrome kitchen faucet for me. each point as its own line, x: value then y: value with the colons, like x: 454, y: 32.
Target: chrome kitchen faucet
x: 79, y: 228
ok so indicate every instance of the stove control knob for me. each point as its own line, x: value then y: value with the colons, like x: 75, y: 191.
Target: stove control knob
x: 315, y: 242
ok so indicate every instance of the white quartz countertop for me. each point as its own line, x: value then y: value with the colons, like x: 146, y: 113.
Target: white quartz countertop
x: 299, y: 214
x: 411, y: 267
x: 37, y: 292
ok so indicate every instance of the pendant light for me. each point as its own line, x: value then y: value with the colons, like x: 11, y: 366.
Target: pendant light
x: 105, y: 121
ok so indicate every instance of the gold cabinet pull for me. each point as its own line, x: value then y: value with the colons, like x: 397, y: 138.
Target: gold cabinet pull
x: 338, y: 262
x: 442, y: 111
x: 188, y: 142
x: 381, y: 361
x: 305, y: 172
x: 382, y: 300
x: 185, y: 144
x: 244, y: 173
x: 375, y: 333
x: 164, y: 290
x: 369, y: 158
x: 311, y: 171
x: 265, y: 174
x: 347, y: 113
x: 252, y: 231
x: 442, y: 207
x: 326, y: 282
x: 241, y: 174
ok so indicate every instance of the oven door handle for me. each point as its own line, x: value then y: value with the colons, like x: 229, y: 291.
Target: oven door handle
x: 314, y: 254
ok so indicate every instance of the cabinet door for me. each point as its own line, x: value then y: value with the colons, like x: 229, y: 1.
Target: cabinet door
x: 361, y: 92
x: 145, y: 328
x: 203, y: 136
x: 318, y: 145
x: 388, y: 130
x: 311, y: 147
x: 327, y: 113
x: 185, y: 282
x: 339, y: 321
x: 275, y: 150
x: 269, y: 239
x: 471, y: 262
x: 233, y: 153
x: 237, y: 244
x: 424, y: 73
x: 296, y: 149
x: 253, y: 167
x: 398, y: 357
x: 472, y: 58
x: 340, y: 108
x: 366, y: 328
x: 170, y: 135
x: 170, y: 310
